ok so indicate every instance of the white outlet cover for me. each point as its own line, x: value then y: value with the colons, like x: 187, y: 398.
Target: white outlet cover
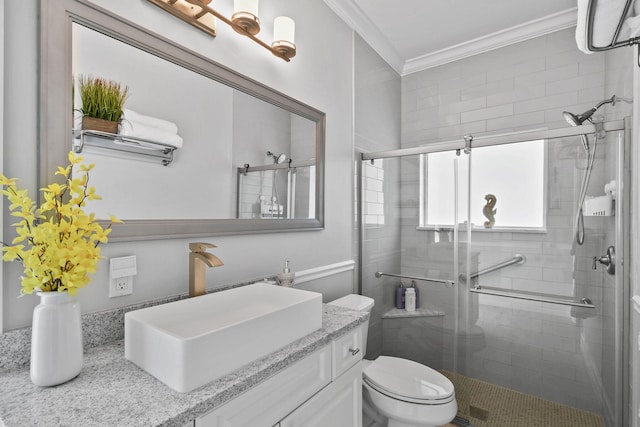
x: 120, y: 286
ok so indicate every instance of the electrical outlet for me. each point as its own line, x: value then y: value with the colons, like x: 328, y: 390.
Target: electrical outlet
x: 121, y: 272
x: 121, y: 286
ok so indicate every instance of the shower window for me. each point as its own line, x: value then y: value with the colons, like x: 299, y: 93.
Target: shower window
x: 513, y: 173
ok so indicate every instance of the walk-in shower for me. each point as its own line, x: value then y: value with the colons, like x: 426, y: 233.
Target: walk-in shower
x: 532, y: 330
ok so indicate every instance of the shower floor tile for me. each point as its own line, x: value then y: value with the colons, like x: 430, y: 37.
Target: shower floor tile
x: 489, y: 405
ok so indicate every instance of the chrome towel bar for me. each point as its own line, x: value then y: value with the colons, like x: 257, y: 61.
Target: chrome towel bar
x: 575, y: 302
x: 517, y: 259
x: 447, y: 283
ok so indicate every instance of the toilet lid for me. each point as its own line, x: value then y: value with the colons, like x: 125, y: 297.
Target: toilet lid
x: 407, y: 379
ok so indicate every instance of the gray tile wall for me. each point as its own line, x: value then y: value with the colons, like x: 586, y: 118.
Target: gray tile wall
x: 377, y: 128
x: 552, y: 351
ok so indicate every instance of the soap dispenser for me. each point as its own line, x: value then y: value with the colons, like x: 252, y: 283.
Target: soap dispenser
x: 286, y: 278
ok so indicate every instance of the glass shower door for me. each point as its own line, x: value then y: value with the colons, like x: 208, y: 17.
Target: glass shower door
x: 540, y: 340
x: 410, y: 252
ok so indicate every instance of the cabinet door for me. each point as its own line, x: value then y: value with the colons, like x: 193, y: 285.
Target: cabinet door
x: 268, y: 402
x: 347, y: 351
x: 337, y: 405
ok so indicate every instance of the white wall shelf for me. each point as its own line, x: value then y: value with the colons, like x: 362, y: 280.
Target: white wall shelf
x: 127, y: 144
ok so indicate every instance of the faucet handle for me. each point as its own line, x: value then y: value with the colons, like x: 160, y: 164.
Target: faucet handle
x: 200, y: 246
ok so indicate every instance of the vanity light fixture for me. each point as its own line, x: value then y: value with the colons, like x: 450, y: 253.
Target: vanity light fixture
x: 244, y: 21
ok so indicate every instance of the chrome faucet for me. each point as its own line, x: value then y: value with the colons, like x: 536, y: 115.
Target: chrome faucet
x: 199, y: 259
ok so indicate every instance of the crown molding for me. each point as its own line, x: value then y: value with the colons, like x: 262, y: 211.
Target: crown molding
x: 357, y: 20
x: 528, y: 30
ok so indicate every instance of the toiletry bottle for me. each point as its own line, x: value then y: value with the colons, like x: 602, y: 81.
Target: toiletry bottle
x: 410, y: 299
x: 400, y: 296
x: 415, y: 289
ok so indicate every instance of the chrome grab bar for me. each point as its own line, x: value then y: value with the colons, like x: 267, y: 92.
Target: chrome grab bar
x: 553, y: 299
x: 448, y: 283
x: 517, y: 259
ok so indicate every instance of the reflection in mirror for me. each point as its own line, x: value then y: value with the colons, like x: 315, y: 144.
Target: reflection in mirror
x: 223, y: 120
x: 277, y: 191
x: 220, y: 128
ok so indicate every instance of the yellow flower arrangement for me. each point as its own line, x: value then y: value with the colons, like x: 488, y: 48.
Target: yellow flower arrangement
x: 57, y: 243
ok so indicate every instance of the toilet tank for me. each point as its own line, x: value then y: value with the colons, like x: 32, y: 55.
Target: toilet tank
x: 357, y: 303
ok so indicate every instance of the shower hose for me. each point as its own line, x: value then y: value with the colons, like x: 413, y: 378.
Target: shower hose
x: 591, y: 155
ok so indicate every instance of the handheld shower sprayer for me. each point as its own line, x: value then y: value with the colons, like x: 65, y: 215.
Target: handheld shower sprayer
x: 577, y: 120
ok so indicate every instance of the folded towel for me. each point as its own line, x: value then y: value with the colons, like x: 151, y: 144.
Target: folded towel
x: 608, y: 14
x: 155, y: 122
x: 154, y: 134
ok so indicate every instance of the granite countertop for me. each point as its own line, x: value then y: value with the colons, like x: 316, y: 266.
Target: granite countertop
x: 111, y: 391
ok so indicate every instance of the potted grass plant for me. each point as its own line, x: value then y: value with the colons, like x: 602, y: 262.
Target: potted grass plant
x: 102, y: 103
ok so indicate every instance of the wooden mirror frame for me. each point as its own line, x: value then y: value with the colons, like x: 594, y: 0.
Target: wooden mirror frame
x: 57, y: 17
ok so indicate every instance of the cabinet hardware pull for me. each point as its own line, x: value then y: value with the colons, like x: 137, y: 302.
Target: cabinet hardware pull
x: 354, y: 351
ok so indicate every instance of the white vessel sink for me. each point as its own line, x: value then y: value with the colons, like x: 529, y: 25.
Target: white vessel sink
x: 189, y: 343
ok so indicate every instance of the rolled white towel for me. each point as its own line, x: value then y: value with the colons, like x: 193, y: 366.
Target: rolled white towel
x: 155, y: 122
x: 140, y: 130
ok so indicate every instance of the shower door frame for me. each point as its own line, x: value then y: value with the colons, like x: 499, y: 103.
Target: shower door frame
x: 622, y: 175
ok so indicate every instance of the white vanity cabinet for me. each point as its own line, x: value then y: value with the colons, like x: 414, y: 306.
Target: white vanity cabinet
x: 309, y: 392
x: 339, y: 404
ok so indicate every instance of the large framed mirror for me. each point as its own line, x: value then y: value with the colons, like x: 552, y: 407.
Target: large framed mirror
x: 248, y: 159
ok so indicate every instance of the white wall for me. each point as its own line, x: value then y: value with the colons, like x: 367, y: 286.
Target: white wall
x: 320, y: 75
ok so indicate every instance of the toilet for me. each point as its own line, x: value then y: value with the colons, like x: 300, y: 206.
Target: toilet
x: 404, y: 392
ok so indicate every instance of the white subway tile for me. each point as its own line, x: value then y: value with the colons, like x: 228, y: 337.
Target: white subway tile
x: 545, y: 76
x: 486, y: 89
x: 594, y: 95
x: 517, y: 120
x: 515, y: 70
x: 449, y: 132
x: 542, y: 104
x: 593, y: 65
x: 461, y: 106
x: 487, y: 113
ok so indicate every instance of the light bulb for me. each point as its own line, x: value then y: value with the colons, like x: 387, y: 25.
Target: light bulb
x: 284, y: 29
x: 245, y: 16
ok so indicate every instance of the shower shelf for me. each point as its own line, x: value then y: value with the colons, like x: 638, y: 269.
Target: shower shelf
x: 128, y: 144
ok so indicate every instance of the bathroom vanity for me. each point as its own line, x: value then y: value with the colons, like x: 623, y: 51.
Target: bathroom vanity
x: 315, y: 380
x: 322, y: 389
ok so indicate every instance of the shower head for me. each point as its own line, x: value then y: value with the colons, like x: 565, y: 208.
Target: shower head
x: 277, y: 159
x: 578, y: 119
x: 574, y: 120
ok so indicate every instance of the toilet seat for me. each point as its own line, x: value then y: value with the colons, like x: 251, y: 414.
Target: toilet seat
x: 408, y: 381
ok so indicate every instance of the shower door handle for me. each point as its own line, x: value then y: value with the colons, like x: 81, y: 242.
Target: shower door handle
x: 609, y: 260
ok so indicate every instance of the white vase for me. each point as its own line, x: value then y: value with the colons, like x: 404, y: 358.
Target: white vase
x: 56, y: 339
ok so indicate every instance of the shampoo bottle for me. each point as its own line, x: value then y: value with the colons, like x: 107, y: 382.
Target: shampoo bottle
x: 410, y: 299
x: 400, y: 296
